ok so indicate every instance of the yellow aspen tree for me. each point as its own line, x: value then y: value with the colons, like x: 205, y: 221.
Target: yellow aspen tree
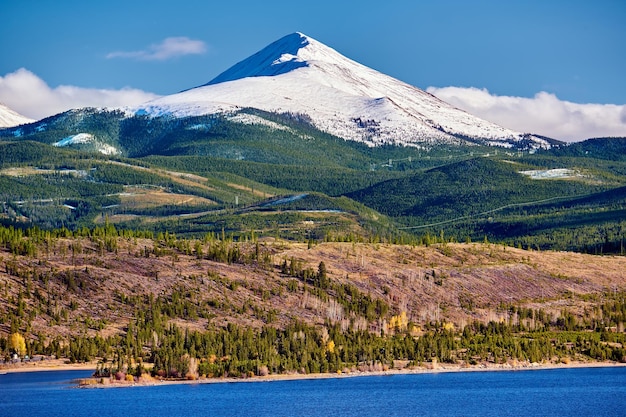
x: 399, y: 322
x: 17, y: 343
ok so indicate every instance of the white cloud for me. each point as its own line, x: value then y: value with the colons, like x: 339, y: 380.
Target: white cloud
x: 544, y: 114
x: 29, y: 95
x: 169, y: 48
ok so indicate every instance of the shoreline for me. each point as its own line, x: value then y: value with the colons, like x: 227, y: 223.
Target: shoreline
x: 92, y: 382
x: 440, y: 369
x: 47, y: 366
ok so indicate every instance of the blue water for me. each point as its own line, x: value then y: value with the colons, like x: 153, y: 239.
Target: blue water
x: 566, y: 392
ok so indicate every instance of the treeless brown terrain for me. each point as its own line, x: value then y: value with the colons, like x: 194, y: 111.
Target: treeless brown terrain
x: 455, y: 283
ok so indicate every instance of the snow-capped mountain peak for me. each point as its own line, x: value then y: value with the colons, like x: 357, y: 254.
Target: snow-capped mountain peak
x: 277, y: 58
x: 297, y: 74
x: 10, y: 118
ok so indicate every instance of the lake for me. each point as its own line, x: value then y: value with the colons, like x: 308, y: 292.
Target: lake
x: 557, y: 392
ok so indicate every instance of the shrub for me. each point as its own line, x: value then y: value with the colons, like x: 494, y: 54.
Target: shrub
x: 264, y: 371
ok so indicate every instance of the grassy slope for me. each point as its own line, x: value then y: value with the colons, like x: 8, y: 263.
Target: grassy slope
x: 45, y: 181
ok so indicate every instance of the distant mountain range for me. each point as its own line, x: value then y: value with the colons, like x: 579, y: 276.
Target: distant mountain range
x: 366, y: 155
x: 295, y: 78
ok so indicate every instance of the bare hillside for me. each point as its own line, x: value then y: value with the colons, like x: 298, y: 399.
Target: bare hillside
x: 95, y: 286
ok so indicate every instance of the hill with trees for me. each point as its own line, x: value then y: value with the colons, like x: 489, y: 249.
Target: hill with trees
x: 217, y: 306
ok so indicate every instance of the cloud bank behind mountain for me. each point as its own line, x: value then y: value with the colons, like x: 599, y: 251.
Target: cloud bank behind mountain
x: 544, y: 114
x: 29, y: 95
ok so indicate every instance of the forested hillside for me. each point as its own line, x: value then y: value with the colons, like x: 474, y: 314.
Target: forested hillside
x: 205, y: 174
x: 215, y: 306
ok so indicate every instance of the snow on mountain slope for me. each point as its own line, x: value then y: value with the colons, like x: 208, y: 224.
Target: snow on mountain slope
x: 10, y: 118
x: 298, y: 74
x: 87, y: 139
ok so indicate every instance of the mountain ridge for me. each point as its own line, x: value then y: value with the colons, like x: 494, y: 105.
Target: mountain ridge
x: 11, y: 118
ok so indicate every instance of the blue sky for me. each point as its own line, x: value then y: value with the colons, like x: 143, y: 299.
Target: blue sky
x: 571, y: 50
